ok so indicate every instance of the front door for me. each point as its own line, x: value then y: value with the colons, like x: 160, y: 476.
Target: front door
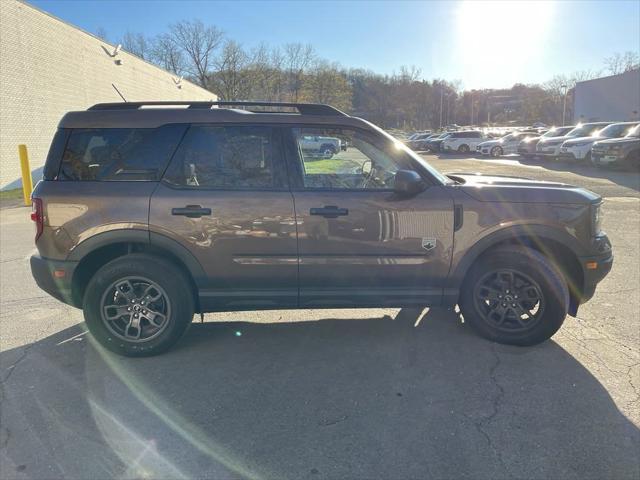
x: 225, y: 199
x: 359, y: 243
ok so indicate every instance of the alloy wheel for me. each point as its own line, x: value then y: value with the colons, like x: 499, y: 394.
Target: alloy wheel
x: 509, y: 300
x: 135, y: 309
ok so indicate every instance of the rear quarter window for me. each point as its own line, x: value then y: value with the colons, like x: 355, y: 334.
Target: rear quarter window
x: 114, y: 154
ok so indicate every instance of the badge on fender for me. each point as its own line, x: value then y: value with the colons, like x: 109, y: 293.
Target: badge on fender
x: 428, y: 243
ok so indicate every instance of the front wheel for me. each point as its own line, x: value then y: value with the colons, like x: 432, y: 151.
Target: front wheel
x: 496, y: 151
x: 515, y: 296
x: 138, y: 305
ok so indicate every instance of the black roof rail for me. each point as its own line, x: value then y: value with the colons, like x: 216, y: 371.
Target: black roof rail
x: 303, y: 108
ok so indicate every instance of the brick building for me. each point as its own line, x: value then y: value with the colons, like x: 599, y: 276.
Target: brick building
x: 48, y: 67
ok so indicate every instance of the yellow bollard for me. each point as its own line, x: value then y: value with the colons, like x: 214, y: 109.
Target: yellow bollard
x: 27, y: 182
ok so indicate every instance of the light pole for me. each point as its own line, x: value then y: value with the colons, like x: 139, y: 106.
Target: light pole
x: 448, y: 117
x: 564, y: 103
x: 441, y: 104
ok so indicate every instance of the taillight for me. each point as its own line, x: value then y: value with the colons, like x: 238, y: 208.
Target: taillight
x: 37, y: 215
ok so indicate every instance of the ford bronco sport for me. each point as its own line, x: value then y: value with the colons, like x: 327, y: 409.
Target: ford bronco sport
x: 151, y: 212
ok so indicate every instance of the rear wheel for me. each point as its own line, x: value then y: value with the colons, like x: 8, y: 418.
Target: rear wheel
x: 138, y: 305
x: 464, y: 148
x: 515, y: 296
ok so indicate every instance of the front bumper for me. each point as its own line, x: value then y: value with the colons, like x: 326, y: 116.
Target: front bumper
x: 607, y: 157
x: 54, y: 277
x: 596, y: 266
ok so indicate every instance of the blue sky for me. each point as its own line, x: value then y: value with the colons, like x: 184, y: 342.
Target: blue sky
x: 482, y: 44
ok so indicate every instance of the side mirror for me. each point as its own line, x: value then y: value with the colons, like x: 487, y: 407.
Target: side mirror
x: 408, y: 182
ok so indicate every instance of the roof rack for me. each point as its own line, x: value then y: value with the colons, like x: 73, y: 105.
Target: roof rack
x: 303, y: 108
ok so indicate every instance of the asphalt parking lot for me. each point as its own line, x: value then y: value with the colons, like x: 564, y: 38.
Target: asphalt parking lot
x: 358, y: 394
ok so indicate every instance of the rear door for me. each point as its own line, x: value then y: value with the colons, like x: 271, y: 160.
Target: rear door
x: 225, y: 199
x: 359, y: 243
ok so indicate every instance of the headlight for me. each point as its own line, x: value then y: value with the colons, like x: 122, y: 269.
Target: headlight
x: 596, y: 218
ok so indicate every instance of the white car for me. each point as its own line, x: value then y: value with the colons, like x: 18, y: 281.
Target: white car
x: 550, y: 147
x: 580, y: 148
x: 505, y: 145
x: 317, y: 146
x: 462, y: 142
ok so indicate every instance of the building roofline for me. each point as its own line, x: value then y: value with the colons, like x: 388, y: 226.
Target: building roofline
x: 102, y: 40
x: 635, y: 70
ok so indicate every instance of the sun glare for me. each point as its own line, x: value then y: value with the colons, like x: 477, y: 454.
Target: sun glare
x: 497, y: 40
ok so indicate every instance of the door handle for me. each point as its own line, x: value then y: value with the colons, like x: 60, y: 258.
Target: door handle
x: 191, y: 211
x: 329, y: 211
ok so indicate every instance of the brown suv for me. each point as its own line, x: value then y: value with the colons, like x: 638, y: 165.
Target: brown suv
x: 150, y: 212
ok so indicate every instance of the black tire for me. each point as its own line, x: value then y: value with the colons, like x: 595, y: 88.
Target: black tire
x: 547, y: 281
x: 464, y: 148
x: 496, y: 151
x: 173, y: 284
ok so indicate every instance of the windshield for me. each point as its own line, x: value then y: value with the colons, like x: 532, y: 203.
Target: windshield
x: 585, y: 130
x: 557, y: 132
x: 615, y: 130
x: 424, y: 163
x: 635, y: 131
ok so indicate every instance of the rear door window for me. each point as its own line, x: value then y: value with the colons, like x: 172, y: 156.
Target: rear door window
x: 227, y: 157
x: 112, y: 154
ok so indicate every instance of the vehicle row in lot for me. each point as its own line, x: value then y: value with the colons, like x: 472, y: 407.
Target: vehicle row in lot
x: 580, y: 148
x: 571, y: 143
x: 527, y: 147
x: 623, y: 150
x: 506, y: 145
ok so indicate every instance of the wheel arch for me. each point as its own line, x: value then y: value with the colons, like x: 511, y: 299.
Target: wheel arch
x: 96, y: 251
x: 560, y: 248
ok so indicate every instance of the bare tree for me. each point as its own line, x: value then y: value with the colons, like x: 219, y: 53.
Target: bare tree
x: 137, y: 44
x: 327, y: 84
x: 101, y: 33
x: 230, y: 77
x: 298, y: 57
x: 199, y: 44
x: 622, y: 62
x: 166, y: 54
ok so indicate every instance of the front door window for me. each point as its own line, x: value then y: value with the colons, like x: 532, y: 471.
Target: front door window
x: 343, y: 159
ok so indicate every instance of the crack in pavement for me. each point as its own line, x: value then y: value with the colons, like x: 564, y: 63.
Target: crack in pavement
x: 482, y: 423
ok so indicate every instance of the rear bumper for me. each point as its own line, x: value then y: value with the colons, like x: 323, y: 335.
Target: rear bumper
x: 54, y: 277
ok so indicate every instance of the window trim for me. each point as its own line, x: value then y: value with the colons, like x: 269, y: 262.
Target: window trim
x: 280, y: 175
x: 294, y: 162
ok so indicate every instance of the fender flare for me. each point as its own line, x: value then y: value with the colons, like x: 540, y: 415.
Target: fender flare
x: 524, y: 234
x: 145, y: 237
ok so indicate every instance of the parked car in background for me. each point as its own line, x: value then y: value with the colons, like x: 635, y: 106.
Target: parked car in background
x: 503, y: 146
x: 419, y: 141
x: 550, y: 147
x: 322, y: 147
x: 462, y: 142
x: 616, y: 151
x: 580, y: 148
x: 527, y: 147
x: 434, y: 143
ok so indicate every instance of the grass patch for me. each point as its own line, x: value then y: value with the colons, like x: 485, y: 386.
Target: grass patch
x: 330, y: 165
x: 11, y: 194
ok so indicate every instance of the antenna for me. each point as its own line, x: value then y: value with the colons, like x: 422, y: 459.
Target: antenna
x: 118, y: 91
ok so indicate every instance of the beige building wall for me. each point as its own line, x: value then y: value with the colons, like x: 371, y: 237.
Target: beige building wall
x: 48, y: 67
